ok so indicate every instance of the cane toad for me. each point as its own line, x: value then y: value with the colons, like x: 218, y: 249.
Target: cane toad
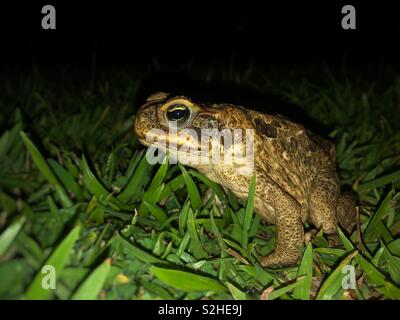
x: 296, y: 175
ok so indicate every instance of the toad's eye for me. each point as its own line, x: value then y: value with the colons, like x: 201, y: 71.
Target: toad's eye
x: 178, y: 112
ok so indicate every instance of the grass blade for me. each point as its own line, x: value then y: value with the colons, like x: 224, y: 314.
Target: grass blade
x: 379, y: 182
x: 154, y: 192
x: 194, y: 194
x: 384, y: 208
x: 136, y: 182
x: 96, y: 188
x: 91, y: 287
x: 8, y: 235
x: 236, y: 293
x: 172, y: 186
x: 186, y: 281
x: 248, y: 213
x: 156, y: 289
x: 305, y: 270
x: 44, y: 168
x: 39, y: 160
x: 333, y: 283
x: 156, y: 211
x: 136, y: 252
x: 281, y: 291
x: 346, y: 242
x: 195, y: 243
x: 378, y: 278
x: 66, y: 178
x: 214, y: 186
x: 91, y: 182
x: 150, y: 197
x: 58, y: 260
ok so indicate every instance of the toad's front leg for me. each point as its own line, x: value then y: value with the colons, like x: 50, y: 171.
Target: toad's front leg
x: 290, y: 231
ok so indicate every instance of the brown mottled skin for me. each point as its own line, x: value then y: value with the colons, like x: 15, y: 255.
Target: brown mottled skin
x: 295, y: 170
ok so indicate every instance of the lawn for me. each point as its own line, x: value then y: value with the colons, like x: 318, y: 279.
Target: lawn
x: 81, y: 209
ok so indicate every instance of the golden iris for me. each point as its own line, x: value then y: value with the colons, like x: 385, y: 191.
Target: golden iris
x: 178, y: 112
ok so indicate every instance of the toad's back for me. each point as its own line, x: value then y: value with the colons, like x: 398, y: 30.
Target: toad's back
x: 289, y: 154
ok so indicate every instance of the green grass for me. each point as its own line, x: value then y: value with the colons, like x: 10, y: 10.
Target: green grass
x: 76, y: 193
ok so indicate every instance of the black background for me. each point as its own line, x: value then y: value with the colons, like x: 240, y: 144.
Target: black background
x: 122, y: 33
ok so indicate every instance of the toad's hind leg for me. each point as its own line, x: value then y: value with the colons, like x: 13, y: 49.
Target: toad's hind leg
x: 289, y: 242
x: 323, y: 202
x: 328, y: 207
x: 290, y: 230
x: 346, y: 211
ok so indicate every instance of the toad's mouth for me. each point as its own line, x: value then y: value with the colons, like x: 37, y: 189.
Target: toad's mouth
x: 174, y: 145
x: 191, y: 156
x: 176, y: 149
x: 144, y: 142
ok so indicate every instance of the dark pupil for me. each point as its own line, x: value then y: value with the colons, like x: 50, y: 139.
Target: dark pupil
x: 177, y: 113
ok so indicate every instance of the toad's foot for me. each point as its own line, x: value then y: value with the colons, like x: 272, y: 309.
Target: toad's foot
x: 275, y: 259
